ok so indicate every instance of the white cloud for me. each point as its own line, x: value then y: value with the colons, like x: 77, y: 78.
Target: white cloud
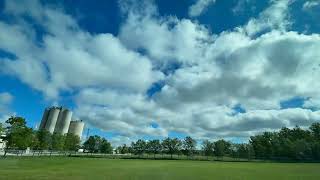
x: 70, y: 57
x: 274, y: 17
x: 199, y: 7
x: 256, y: 65
x: 5, y: 102
x: 310, y: 4
x: 191, y: 39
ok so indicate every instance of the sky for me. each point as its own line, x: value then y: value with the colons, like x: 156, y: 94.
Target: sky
x: 148, y: 69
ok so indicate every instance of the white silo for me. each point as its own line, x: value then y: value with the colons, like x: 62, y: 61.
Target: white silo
x: 63, y: 121
x: 52, y: 119
x: 44, y: 118
x: 76, y: 128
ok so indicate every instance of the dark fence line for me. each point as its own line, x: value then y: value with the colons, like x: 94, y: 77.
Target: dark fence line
x: 49, y: 153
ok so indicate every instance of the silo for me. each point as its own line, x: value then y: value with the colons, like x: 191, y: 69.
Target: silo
x: 52, y: 119
x: 44, y: 119
x: 63, y: 122
x: 76, y: 128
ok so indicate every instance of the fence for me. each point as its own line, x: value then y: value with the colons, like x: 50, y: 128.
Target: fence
x: 48, y: 153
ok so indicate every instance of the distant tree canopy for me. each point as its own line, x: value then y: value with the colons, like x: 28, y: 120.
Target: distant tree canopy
x: 207, y: 148
x: 1, y: 129
x: 286, y: 144
x: 139, y: 147
x: 18, y: 135
x: 296, y: 143
x: 189, y: 146
x: 95, y: 144
x: 105, y: 146
x: 171, y: 146
x: 154, y: 146
x: 58, y: 142
x: 124, y: 149
x: 221, y: 147
x: 72, y: 142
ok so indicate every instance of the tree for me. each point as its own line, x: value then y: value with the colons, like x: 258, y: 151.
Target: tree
x: 105, y: 146
x: 207, y: 148
x: 139, y: 147
x: 302, y: 149
x: 43, y: 140
x: 189, y: 145
x: 245, y: 151
x: 315, y: 150
x: 57, y: 141
x: 72, y: 142
x: 18, y: 136
x: 315, y: 130
x: 262, y: 144
x: 92, y: 144
x: 1, y: 129
x: 221, y: 147
x: 171, y: 146
x: 124, y: 149
x: 154, y: 146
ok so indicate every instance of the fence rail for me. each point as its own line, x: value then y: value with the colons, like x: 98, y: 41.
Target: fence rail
x: 48, y: 153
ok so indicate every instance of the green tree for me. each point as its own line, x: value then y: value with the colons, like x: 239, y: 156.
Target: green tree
x: 139, y: 147
x: 303, y: 150
x: 221, y: 147
x: 207, y: 148
x: 43, y: 140
x: 72, y: 142
x: 92, y: 144
x: 315, y: 130
x: 1, y: 129
x: 105, y: 146
x: 263, y: 145
x: 315, y: 148
x: 154, y: 146
x: 57, y: 141
x: 171, y: 146
x: 189, y: 146
x: 124, y: 149
x: 245, y: 151
x: 18, y: 136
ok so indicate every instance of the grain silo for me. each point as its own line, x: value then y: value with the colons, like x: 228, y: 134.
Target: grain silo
x: 76, y: 128
x: 52, y: 119
x: 63, y: 121
x: 44, y: 118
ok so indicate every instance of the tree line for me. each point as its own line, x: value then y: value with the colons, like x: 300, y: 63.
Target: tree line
x: 17, y: 136
x: 285, y: 144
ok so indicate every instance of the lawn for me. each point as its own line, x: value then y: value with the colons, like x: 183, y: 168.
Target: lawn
x: 99, y: 168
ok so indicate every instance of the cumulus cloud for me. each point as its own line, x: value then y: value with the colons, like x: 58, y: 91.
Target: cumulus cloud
x: 5, y: 101
x: 69, y: 57
x: 256, y: 65
x: 276, y: 16
x: 138, y: 33
x: 199, y: 7
x: 310, y: 4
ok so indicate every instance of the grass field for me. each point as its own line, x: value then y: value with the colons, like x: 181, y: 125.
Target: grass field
x: 98, y: 168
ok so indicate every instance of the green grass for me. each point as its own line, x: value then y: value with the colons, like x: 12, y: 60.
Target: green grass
x: 99, y: 168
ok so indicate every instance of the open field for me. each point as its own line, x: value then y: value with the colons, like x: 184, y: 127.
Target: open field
x: 97, y: 168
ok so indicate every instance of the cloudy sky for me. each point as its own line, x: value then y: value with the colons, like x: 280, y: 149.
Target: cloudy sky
x: 151, y: 69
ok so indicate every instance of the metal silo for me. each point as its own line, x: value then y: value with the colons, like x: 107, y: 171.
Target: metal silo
x: 44, y: 118
x: 76, y: 128
x: 63, y: 122
x: 52, y: 119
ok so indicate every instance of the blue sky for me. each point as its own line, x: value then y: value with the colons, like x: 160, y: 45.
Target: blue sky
x: 205, y: 68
